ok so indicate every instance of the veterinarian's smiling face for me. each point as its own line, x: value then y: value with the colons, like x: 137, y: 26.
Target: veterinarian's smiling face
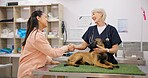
x: 97, y: 16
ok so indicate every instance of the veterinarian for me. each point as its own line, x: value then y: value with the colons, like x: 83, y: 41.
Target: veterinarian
x: 36, y: 50
x: 106, y: 32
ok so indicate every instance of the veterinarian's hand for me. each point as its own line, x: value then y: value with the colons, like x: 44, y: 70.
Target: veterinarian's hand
x: 71, y: 47
x: 100, y: 49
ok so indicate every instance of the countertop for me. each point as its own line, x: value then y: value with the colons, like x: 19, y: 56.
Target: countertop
x: 45, y: 71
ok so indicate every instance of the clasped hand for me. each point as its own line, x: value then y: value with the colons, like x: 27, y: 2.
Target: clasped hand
x: 71, y: 47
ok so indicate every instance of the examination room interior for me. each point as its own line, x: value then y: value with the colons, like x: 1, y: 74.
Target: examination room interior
x: 69, y: 23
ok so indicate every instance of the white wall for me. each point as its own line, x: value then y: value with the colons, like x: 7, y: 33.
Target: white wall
x: 145, y: 22
x: 116, y: 9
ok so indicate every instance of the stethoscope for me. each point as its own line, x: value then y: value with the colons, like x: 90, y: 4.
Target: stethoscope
x: 91, y: 39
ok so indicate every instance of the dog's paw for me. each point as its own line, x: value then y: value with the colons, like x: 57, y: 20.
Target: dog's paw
x: 76, y: 65
x: 65, y: 64
x: 116, y: 67
x: 111, y: 68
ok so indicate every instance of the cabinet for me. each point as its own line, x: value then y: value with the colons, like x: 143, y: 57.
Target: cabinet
x: 13, y: 19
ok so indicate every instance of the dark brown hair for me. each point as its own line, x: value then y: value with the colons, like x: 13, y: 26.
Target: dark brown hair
x: 32, y: 23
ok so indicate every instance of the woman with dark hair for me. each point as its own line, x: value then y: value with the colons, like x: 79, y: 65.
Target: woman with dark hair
x: 36, y: 50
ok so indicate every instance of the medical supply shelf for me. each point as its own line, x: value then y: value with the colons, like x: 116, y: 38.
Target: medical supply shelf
x: 13, y: 18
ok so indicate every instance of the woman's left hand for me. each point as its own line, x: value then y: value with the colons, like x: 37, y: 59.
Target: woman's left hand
x: 54, y: 62
x: 51, y: 62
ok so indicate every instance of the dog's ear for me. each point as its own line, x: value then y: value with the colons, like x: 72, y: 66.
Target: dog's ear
x: 103, y: 41
x: 93, y: 44
x: 99, y: 42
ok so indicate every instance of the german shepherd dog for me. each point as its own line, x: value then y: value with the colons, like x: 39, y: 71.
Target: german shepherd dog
x: 92, y: 58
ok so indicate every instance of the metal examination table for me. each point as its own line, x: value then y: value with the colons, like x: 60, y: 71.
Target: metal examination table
x: 45, y: 71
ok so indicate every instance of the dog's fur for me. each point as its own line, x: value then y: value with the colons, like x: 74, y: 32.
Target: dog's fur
x: 91, y: 58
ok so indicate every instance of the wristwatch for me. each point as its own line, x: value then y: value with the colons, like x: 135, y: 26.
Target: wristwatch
x: 107, y: 50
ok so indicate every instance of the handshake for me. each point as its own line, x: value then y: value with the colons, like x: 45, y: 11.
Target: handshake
x: 71, y: 47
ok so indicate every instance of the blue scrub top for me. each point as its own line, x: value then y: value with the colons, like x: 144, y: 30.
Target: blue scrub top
x: 109, y: 37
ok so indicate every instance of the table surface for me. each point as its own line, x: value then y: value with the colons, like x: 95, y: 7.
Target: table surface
x: 45, y: 71
x: 10, y: 55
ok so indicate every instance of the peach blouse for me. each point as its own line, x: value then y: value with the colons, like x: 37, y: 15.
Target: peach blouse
x: 36, y: 52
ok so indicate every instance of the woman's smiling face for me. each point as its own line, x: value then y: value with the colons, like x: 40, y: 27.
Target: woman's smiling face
x: 43, y: 20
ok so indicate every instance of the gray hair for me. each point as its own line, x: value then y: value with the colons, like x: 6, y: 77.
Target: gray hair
x: 100, y: 11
